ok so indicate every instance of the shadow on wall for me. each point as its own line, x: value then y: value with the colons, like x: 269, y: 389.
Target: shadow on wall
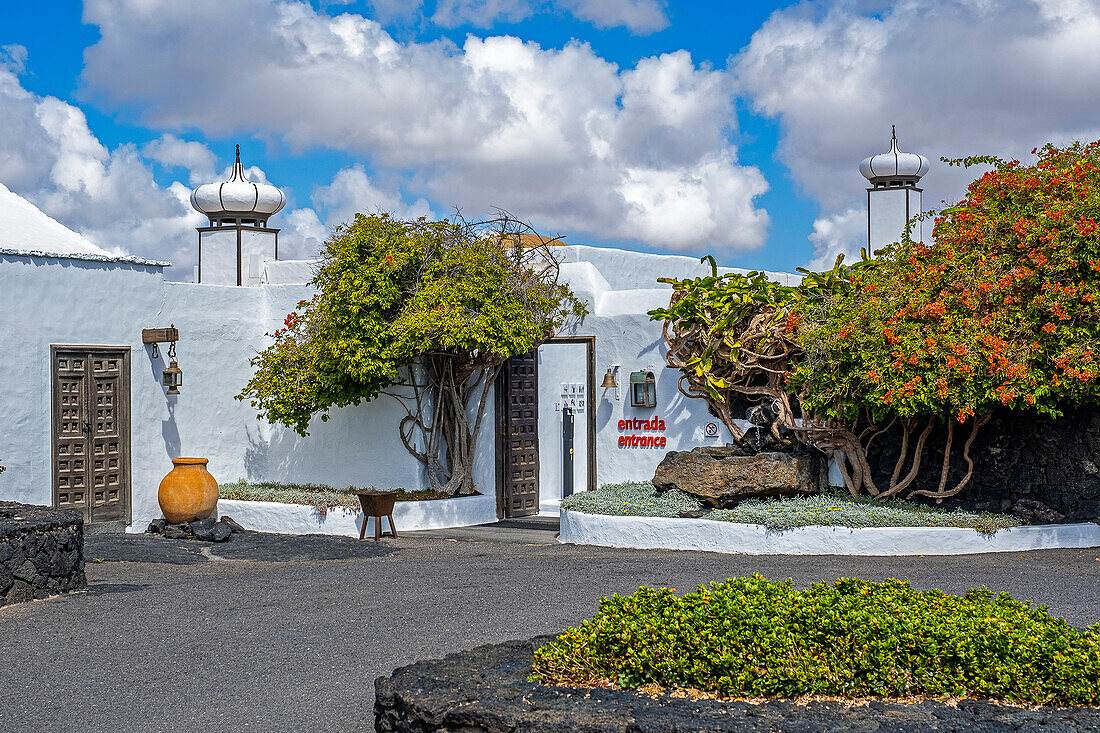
x: 605, y: 409
x: 358, y: 446
x: 168, y: 429
x: 256, y: 455
x: 655, y: 346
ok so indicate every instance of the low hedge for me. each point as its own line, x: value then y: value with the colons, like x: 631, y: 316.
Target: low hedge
x: 750, y: 637
x: 319, y: 496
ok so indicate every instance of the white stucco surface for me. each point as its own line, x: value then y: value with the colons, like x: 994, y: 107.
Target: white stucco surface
x: 626, y: 269
x: 626, y: 336
x: 267, y: 516
x: 288, y: 272
x: 889, y: 209
x: 46, y: 301
x: 218, y: 260
x: 558, y: 364
x: 753, y: 539
x: 24, y: 226
x: 68, y: 301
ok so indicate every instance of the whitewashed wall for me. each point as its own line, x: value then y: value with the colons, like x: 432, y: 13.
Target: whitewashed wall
x: 558, y: 363
x: 625, y: 335
x: 46, y: 301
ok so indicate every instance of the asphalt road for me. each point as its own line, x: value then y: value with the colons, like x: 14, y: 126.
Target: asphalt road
x: 271, y: 632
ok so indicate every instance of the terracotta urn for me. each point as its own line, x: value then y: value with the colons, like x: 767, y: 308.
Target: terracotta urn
x: 188, y: 492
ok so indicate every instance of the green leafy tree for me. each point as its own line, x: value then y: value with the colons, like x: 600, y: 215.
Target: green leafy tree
x: 423, y: 311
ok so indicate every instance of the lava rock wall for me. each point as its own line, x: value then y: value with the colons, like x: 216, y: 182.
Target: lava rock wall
x: 1043, y: 470
x: 41, y: 552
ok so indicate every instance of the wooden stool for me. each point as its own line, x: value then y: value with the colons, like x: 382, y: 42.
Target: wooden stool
x: 377, y: 504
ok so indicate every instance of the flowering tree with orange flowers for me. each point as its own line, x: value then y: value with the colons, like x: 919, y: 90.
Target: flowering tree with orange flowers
x: 999, y: 310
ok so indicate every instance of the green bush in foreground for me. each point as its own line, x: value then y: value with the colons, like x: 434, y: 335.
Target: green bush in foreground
x: 749, y: 637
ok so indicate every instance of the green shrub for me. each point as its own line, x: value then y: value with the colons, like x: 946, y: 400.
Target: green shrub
x: 841, y: 510
x: 833, y: 509
x: 632, y: 499
x: 851, y: 638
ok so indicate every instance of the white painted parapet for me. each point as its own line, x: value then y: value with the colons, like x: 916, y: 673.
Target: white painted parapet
x: 270, y: 516
x: 650, y: 533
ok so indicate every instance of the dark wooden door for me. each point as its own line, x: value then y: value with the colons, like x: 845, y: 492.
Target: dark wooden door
x: 91, y: 431
x: 519, y: 425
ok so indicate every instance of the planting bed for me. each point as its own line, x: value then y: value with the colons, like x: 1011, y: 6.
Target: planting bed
x: 831, y: 509
x: 636, y: 515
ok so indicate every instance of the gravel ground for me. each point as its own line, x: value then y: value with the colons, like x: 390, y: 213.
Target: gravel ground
x: 271, y: 632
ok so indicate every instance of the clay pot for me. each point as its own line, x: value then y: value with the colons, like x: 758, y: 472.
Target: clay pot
x: 188, y: 492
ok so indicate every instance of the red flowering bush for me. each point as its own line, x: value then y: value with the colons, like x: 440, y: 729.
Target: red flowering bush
x: 999, y: 310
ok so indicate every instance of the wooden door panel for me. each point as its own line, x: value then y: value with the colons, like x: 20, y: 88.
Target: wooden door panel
x: 70, y: 440
x: 521, y: 435
x: 91, y: 431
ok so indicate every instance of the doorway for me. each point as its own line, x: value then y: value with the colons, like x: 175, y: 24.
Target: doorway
x: 90, y: 425
x: 546, y: 426
x: 517, y: 394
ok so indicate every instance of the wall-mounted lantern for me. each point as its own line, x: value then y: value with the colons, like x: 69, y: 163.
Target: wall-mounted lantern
x: 609, y: 381
x: 643, y: 389
x: 173, y: 375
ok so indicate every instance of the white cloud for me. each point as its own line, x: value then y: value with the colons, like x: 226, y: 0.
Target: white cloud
x: 352, y: 191
x: 13, y: 57
x: 171, y: 151
x: 481, y: 13
x: 50, y: 156
x: 302, y: 235
x: 843, y: 233
x: 638, y: 16
x: 560, y: 137
x: 958, y: 77
x: 54, y: 160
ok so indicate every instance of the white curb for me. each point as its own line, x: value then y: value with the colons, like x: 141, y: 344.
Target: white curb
x: 653, y: 533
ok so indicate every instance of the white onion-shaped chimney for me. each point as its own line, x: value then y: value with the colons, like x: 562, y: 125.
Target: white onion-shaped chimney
x: 238, y: 198
x: 894, y: 167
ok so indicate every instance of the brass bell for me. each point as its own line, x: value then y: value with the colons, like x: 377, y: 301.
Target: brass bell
x: 609, y: 380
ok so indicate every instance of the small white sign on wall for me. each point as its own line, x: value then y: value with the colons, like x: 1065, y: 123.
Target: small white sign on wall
x: 573, y: 396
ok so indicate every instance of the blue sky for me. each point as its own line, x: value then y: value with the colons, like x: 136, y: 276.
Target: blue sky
x: 690, y: 127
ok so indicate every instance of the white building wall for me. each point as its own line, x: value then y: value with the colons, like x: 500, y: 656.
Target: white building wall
x: 626, y: 336
x: 257, y: 246
x: 560, y: 364
x: 46, y: 301
x: 63, y: 301
x: 218, y: 257
x: 888, y: 211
